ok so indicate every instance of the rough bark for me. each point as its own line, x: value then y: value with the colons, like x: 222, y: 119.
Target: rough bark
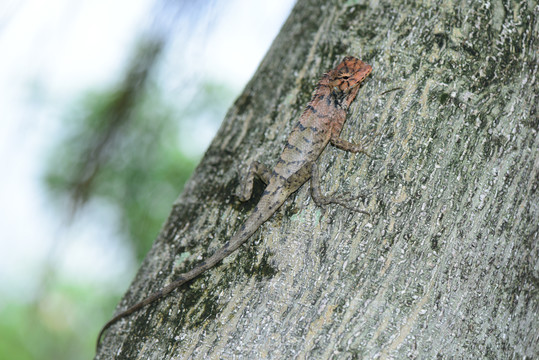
x: 446, y: 266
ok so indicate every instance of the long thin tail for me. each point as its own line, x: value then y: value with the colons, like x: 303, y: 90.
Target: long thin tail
x: 150, y: 299
x: 182, y: 279
x: 252, y: 223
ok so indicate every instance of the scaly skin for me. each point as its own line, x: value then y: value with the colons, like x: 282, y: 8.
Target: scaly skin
x: 320, y: 124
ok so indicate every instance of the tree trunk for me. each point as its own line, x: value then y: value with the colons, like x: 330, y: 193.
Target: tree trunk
x: 447, y: 264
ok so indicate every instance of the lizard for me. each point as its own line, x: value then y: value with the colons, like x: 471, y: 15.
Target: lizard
x: 320, y: 124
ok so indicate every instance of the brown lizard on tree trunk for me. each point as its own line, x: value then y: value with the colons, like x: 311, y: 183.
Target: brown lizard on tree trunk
x: 321, y: 123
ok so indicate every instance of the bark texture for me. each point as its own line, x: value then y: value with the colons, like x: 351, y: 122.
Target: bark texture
x: 447, y: 266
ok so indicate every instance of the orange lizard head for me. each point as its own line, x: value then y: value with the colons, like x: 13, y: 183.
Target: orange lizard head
x: 349, y: 73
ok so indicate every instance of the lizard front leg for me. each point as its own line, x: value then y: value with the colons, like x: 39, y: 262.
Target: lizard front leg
x: 322, y: 200
x: 256, y: 169
x: 346, y: 145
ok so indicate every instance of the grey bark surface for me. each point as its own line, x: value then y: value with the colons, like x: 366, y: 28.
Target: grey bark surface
x: 447, y: 266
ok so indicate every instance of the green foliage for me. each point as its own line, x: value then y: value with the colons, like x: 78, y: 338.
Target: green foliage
x: 134, y: 164
x: 59, y: 325
x: 122, y: 148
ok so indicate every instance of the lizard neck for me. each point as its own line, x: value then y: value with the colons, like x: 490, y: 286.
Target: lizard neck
x: 329, y: 94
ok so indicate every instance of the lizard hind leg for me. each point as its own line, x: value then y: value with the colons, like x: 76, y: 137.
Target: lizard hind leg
x: 246, y: 187
x: 323, y: 200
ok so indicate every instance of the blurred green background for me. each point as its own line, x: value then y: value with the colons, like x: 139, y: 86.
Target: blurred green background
x: 105, y: 109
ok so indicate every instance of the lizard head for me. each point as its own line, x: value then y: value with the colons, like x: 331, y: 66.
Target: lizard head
x: 349, y: 73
